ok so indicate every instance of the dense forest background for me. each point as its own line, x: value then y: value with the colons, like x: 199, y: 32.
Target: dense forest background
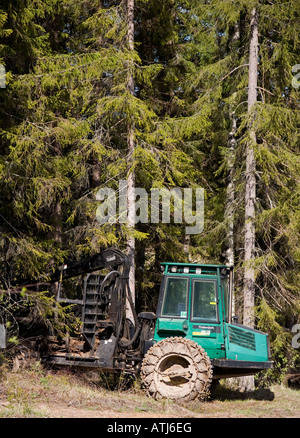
x: 84, y: 106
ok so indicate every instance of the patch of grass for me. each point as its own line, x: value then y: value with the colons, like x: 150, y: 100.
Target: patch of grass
x: 273, y: 402
x: 37, y: 392
x: 22, y: 410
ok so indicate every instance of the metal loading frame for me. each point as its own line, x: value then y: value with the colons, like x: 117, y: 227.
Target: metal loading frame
x: 85, y: 362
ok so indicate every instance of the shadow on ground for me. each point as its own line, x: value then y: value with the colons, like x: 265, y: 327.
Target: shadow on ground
x: 223, y: 393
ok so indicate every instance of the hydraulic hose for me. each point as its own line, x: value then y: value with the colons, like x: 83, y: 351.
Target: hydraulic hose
x: 105, y: 279
x: 136, y: 321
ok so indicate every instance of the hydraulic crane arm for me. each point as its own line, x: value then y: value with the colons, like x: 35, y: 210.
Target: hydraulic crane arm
x: 110, y: 258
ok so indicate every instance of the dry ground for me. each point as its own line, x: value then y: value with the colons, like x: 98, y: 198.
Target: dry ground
x: 39, y: 393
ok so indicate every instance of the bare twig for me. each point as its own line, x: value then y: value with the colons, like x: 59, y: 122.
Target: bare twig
x: 263, y: 89
x: 232, y: 71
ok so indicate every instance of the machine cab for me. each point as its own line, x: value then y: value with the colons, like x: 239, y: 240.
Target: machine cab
x: 195, y: 302
x: 203, y: 306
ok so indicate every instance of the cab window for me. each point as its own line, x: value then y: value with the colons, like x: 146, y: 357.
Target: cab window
x: 225, y: 290
x: 175, y: 297
x: 204, y: 303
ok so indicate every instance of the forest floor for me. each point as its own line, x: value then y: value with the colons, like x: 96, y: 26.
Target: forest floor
x: 40, y: 393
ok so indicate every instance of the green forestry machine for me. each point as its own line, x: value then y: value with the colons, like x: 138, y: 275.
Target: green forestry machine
x: 190, y: 341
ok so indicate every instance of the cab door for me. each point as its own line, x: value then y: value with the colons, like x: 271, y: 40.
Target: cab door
x: 206, y: 327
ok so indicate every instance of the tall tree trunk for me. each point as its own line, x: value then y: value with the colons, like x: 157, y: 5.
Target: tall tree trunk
x: 57, y: 235
x: 96, y: 173
x: 130, y: 150
x: 95, y: 179
x: 230, y: 199
x: 186, y: 246
x: 229, y: 210
x: 233, y: 44
x: 250, y: 190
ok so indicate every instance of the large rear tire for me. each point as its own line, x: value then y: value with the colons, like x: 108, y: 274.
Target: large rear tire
x: 178, y: 369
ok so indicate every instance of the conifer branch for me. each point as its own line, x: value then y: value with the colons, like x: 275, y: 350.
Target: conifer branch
x: 232, y: 71
x: 263, y: 89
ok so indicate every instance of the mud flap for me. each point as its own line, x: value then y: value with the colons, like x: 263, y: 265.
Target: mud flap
x: 105, y: 352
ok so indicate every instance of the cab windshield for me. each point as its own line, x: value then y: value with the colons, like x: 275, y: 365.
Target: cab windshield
x: 175, y: 297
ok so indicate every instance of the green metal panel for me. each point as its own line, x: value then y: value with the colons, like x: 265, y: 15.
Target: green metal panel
x: 242, y: 338
x: 243, y: 343
x: 207, y: 335
x: 175, y: 326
